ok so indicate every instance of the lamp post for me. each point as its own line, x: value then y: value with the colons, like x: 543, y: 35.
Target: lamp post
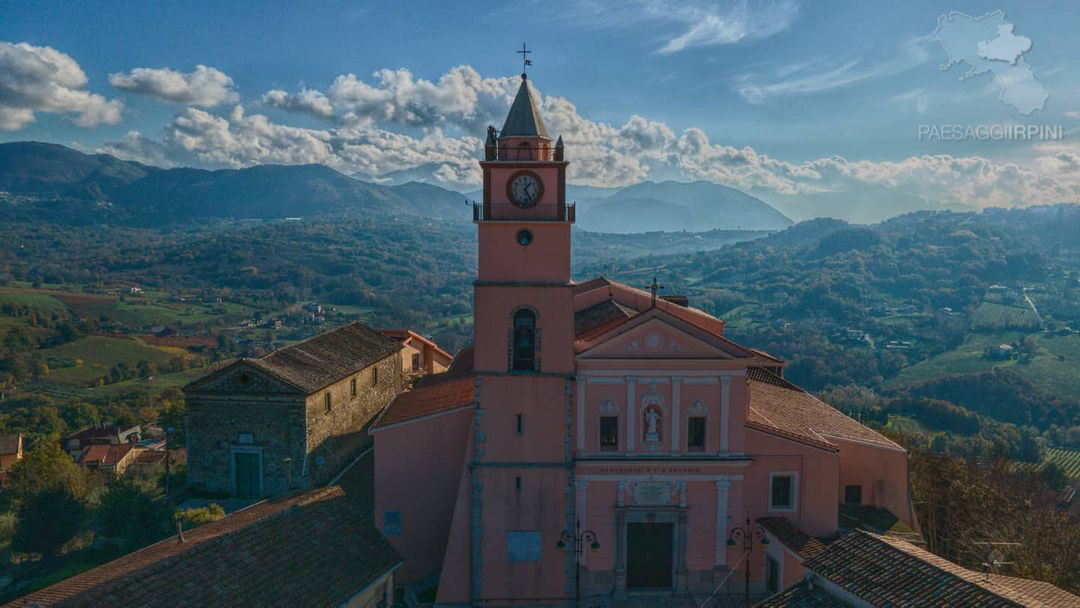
x: 747, y: 534
x: 580, y: 539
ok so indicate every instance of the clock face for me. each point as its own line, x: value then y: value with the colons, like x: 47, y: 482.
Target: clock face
x: 525, y: 189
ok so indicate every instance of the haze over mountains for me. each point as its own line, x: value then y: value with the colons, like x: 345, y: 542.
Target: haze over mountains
x: 41, y: 181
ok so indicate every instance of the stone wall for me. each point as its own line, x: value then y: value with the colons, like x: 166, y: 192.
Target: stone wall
x: 218, y: 425
x: 336, y: 436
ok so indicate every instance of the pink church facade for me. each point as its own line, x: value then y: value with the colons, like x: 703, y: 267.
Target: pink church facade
x: 599, y: 407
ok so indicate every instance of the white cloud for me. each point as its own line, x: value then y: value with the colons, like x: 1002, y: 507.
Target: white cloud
x: 446, y: 117
x: 205, y: 86
x: 42, y: 79
x: 807, y: 80
x: 686, y: 24
x: 307, y: 100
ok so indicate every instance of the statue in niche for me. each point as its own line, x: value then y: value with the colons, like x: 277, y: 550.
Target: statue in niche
x: 653, y: 419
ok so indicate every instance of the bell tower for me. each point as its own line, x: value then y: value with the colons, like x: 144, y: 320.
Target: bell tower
x: 523, y: 227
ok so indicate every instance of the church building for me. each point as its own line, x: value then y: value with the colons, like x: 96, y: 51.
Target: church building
x: 602, y: 441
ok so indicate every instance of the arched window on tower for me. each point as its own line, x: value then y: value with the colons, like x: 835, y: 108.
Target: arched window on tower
x: 524, y: 151
x: 523, y: 357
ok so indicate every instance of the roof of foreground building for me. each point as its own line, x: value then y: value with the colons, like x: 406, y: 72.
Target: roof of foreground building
x: 307, y: 549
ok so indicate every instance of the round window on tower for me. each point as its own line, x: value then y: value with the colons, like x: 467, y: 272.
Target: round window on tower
x: 524, y: 237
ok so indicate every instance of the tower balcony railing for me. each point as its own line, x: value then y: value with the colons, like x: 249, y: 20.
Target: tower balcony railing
x: 522, y: 153
x: 508, y: 212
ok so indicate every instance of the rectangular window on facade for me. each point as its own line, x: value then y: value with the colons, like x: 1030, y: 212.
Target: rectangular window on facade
x: 374, y: 376
x: 782, y: 492
x: 392, y: 523
x: 523, y: 545
x: 327, y: 399
x: 517, y: 483
x: 695, y: 434
x: 353, y: 383
x: 519, y: 424
x: 416, y: 362
x: 609, y: 433
x: 772, y: 574
x: 853, y: 495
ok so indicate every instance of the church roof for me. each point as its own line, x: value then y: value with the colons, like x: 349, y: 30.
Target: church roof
x: 803, y: 594
x: 307, y: 549
x: 433, y: 395
x: 778, y: 406
x: 524, y: 117
x: 321, y: 360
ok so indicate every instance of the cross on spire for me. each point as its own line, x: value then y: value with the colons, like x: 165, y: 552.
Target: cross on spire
x: 525, y: 61
x: 655, y: 287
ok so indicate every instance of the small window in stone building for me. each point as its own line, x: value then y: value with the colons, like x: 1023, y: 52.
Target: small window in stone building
x: 416, y: 362
x: 852, y: 495
x: 374, y: 376
x: 695, y: 434
x: 517, y: 483
x: 609, y: 433
x: 327, y: 399
x: 353, y: 386
x: 519, y: 422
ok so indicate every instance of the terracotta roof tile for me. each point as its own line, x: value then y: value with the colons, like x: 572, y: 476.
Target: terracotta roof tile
x: 802, y: 544
x: 590, y: 285
x: 887, y: 571
x: 433, y: 395
x: 779, y: 406
x: 803, y: 595
x: 103, y: 453
x: 599, y: 318
x: 309, y: 549
x: 328, y: 357
x: 9, y: 443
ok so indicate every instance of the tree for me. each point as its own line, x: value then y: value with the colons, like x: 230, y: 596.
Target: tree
x: 132, y: 513
x: 47, y: 518
x: 18, y: 340
x: 172, y: 417
x: 47, y: 466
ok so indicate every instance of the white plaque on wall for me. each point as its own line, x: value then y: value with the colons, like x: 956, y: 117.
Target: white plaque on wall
x: 652, y: 493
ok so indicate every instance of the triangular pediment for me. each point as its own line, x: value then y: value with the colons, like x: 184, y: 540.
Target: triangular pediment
x: 242, y: 377
x: 656, y: 335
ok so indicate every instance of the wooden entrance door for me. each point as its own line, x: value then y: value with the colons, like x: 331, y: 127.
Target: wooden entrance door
x: 648, y: 555
x: 248, y: 474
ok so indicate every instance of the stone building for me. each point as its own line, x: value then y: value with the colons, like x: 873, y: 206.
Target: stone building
x: 419, y: 355
x: 293, y: 418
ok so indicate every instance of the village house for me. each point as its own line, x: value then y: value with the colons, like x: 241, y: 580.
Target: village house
x: 865, y: 569
x: 306, y: 549
x: 293, y: 418
x: 111, y: 460
x: 102, y: 435
x: 419, y: 355
x: 11, y: 451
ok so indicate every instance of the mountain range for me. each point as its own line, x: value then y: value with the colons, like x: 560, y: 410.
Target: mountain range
x: 42, y: 181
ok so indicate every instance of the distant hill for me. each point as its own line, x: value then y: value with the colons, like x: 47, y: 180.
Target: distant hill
x: 51, y: 182
x: 674, y: 206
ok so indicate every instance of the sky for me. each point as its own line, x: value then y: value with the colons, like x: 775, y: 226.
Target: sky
x: 819, y: 108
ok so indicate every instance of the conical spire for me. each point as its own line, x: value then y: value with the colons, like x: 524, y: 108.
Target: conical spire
x: 524, y: 117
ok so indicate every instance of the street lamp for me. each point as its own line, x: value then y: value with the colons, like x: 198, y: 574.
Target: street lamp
x: 747, y: 534
x: 580, y: 539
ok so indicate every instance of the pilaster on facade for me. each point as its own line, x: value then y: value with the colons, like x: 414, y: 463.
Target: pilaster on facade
x: 725, y: 411
x: 631, y: 413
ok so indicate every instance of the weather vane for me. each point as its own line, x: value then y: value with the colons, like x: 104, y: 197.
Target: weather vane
x: 525, y: 61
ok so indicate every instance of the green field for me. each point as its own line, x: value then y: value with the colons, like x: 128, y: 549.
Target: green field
x: 85, y: 360
x: 33, y: 299
x: 1053, y: 367
x: 1068, y: 460
x: 993, y: 316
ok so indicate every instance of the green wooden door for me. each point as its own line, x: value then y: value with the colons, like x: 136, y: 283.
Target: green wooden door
x: 247, y: 473
x: 648, y: 555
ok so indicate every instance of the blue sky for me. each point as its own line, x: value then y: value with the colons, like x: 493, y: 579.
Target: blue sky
x: 814, y: 107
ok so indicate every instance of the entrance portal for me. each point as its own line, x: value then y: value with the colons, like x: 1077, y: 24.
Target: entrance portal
x: 247, y: 474
x: 648, y: 555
